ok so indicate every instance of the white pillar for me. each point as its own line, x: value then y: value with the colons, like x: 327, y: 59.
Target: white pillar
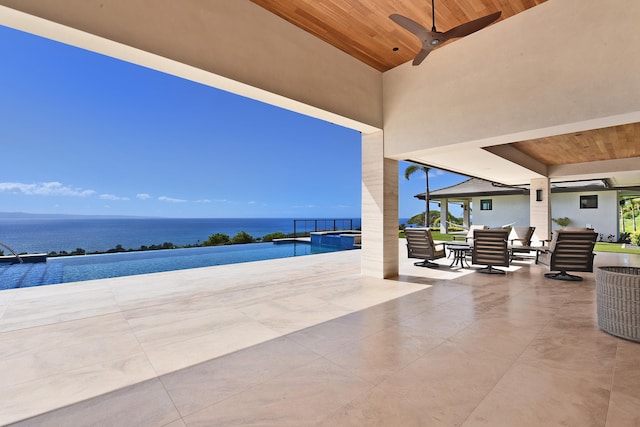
x: 466, y: 215
x: 444, y: 215
x: 540, y: 209
x: 379, y: 209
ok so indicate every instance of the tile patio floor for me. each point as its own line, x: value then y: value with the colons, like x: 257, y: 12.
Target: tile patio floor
x: 309, y: 342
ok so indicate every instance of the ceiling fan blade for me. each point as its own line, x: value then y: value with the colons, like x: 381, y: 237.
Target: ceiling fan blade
x: 421, y: 55
x: 410, y: 25
x: 432, y: 39
x: 425, y: 36
x: 471, y: 26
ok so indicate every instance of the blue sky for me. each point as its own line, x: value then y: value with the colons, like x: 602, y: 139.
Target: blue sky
x: 82, y: 133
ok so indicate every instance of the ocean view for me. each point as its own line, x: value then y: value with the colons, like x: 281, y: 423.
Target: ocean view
x: 35, y: 235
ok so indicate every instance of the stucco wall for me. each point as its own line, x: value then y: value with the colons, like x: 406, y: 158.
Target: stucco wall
x: 559, y: 67
x: 604, y: 219
x: 510, y: 209
x: 506, y: 210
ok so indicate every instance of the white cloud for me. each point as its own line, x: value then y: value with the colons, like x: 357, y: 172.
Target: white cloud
x: 203, y: 201
x: 44, y: 189
x: 252, y: 202
x: 143, y: 196
x: 112, y: 197
x: 170, y: 199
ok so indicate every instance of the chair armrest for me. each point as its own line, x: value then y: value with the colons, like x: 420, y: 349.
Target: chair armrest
x: 541, y: 250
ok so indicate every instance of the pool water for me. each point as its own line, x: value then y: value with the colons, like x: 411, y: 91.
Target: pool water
x: 89, y: 267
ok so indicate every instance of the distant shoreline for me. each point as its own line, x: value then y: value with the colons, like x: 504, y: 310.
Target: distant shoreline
x: 42, y: 234
x: 158, y: 247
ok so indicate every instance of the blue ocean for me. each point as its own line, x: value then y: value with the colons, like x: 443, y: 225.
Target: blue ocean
x: 43, y: 235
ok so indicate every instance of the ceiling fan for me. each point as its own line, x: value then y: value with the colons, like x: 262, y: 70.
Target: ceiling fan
x: 432, y: 39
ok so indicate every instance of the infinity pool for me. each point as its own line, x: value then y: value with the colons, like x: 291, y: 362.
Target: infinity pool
x: 89, y: 267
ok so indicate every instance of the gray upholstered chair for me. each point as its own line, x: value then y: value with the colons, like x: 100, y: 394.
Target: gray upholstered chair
x: 420, y: 245
x: 520, y: 240
x: 490, y: 248
x: 569, y: 250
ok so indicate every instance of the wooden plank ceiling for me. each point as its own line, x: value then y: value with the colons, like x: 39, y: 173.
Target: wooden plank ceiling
x: 362, y: 28
x: 619, y: 142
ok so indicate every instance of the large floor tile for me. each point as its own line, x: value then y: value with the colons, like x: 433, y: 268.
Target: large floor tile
x: 212, y: 381
x: 380, y: 355
x: 449, y: 382
x: 285, y: 323
x: 167, y: 324
x: 537, y: 397
x: 500, y: 337
x: 30, y: 354
x: 333, y: 335
x: 590, y: 359
x: 300, y: 397
x: 182, y: 354
x: 31, y: 398
x: 33, y: 309
x: 379, y: 408
x: 142, y: 405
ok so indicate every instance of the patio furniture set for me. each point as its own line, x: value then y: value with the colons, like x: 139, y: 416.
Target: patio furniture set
x: 570, y: 250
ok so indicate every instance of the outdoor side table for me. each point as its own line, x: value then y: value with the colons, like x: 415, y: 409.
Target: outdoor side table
x: 460, y: 251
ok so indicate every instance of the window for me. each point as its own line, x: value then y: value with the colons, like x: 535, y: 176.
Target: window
x: 486, y: 205
x: 589, y: 202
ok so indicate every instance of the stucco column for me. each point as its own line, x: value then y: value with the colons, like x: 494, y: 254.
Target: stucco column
x: 379, y: 209
x: 466, y: 215
x: 540, y: 208
x: 444, y: 215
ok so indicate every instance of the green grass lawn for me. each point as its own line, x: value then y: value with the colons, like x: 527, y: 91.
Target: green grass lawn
x: 614, y: 247
x: 436, y: 236
x: 445, y: 237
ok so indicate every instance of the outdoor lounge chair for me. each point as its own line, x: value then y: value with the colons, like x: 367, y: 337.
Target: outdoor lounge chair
x: 420, y: 245
x: 469, y: 236
x: 490, y: 248
x: 569, y: 250
x: 520, y: 240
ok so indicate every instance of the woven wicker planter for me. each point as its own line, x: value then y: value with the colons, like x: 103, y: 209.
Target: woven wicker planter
x: 618, y: 300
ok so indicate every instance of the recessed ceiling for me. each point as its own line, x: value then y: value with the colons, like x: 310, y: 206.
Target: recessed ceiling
x: 618, y: 142
x: 362, y: 28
